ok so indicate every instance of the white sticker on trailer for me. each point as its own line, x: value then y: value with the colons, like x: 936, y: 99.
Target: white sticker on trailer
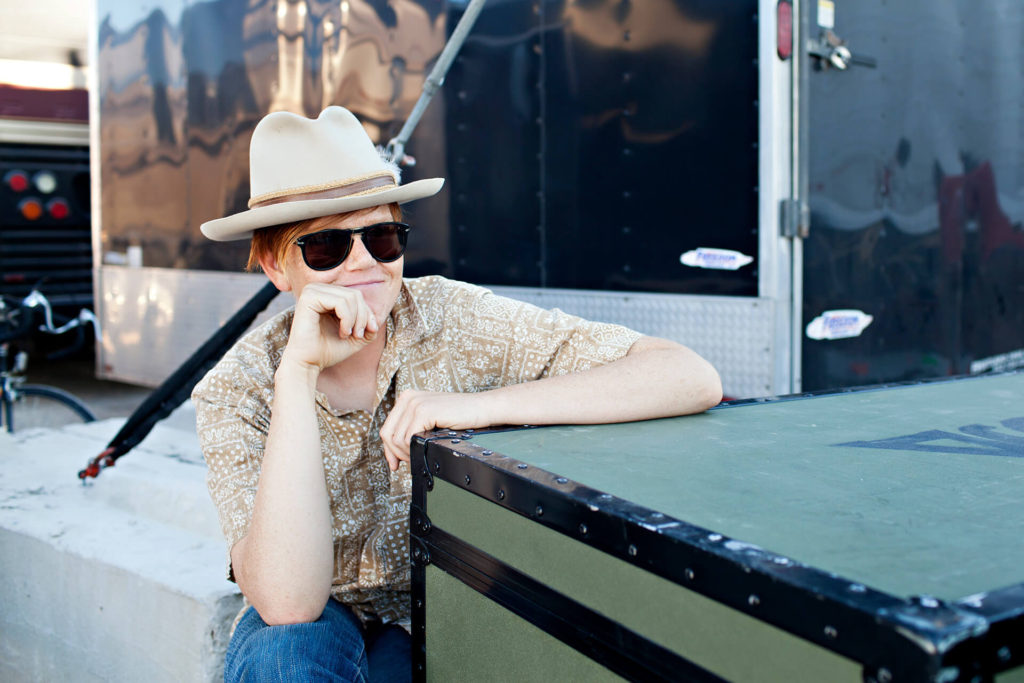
x: 826, y: 14
x: 717, y: 259
x: 1013, y: 360
x: 841, y: 324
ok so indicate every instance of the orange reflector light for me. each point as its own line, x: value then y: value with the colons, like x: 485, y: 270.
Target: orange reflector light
x: 58, y: 208
x: 16, y: 180
x: 31, y: 208
x: 784, y: 29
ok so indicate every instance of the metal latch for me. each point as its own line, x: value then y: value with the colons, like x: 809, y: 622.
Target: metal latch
x: 794, y: 218
x: 831, y: 52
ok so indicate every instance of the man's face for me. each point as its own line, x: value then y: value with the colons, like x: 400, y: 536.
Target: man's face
x: 378, y: 282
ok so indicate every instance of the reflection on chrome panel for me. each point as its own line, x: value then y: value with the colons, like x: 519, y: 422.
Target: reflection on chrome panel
x: 186, y: 90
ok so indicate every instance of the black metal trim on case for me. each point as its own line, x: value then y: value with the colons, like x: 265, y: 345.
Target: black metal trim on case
x: 893, y: 638
x: 605, y: 641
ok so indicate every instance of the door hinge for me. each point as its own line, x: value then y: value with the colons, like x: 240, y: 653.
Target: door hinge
x: 794, y: 218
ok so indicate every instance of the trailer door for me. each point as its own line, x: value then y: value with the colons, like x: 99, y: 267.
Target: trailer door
x: 913, y: 261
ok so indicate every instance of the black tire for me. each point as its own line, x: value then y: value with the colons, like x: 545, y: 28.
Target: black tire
x: 37, y: 405
x: 8, y: 408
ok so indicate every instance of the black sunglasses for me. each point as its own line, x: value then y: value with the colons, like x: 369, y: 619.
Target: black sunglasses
x: 327, y: 249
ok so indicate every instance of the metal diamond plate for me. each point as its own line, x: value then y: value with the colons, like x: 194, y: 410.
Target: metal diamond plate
x: 735, y: 334
x: 154, y: 318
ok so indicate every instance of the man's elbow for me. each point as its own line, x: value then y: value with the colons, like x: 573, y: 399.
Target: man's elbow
x: 706, y: 390
x: 712, y: 390
x: 282, y: 613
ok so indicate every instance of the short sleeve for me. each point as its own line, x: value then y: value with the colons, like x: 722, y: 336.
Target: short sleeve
x: 232, y: 421
x: 497, y: 341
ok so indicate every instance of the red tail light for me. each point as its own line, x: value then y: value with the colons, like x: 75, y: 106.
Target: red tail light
x: 58, y: 208
x: 784, y: 29
x: 16, y: 180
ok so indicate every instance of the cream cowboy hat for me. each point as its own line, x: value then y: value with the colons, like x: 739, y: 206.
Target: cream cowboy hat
x: 303, y: 168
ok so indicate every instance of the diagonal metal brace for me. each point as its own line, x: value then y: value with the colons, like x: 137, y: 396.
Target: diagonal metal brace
x: 395, y: 149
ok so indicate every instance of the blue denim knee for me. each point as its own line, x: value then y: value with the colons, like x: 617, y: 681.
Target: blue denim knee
x: 332, y: 648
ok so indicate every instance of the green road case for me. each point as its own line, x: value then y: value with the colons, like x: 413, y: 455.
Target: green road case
x: 867, y: 535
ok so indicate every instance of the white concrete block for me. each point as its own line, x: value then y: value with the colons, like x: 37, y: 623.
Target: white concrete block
x: 120, y: 580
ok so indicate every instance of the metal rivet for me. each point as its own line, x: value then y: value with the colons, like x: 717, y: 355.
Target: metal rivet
x: 1003, y: 654
x: 753, y: 600
x: 540, y: 511
x: 657, y: 515
x: 453, y: 433
x: 605, y: 496
x: 857, y: 588
x: 501, y: 494
x: 455, y: 441
x: 884, y: 675
x: 521, y: 465
x: 631, y: 550
x: 583, y: 529
x: 469, y: 431
x: 561, y: 480
x: 419, y: 603
x: 467, y: 480
x: 689, y: 574
x: 487, y: 453
x: 831, y: 632
x: 437, y: 467
x: 714, y: 538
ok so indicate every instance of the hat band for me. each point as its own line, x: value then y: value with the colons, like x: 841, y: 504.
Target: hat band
x: 365, y: 186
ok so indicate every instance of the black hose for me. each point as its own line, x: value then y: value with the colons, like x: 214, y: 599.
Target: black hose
x: 176, y: 388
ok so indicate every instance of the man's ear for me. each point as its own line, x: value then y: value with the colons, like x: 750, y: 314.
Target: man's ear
x: 273, y: 269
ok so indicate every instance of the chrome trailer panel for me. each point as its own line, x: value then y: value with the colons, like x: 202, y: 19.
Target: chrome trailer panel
x: 154, y: 318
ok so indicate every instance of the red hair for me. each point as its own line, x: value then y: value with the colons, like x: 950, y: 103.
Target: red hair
x: 276, y: 239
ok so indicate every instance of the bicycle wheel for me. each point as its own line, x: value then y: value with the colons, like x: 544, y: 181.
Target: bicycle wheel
x: 37, y: 405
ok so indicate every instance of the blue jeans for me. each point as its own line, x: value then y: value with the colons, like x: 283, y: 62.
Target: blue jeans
x: 335, y: 647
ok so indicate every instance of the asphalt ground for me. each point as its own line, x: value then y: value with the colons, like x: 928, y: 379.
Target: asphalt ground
x: 106, y: 399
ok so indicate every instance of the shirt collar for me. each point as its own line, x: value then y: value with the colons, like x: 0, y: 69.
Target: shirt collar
x: 405, y: 327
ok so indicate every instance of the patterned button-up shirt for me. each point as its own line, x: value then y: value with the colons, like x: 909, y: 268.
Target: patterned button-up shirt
x: 442, y: 335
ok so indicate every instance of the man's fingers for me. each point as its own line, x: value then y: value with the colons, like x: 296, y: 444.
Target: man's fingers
x: 392, y: 460
x: 401, y: 424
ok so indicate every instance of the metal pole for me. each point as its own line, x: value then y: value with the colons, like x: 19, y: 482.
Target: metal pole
x: 396, y: 146
x: 799, y: 110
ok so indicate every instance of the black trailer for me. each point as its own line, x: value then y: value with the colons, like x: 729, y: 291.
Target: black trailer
x: 811, y: 194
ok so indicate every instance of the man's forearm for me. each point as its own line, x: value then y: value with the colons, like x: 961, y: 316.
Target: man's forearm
x: 284, y: 565
x: 656, y: 379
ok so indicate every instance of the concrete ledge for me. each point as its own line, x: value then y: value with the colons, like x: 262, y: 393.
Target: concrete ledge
x: 121, y: 580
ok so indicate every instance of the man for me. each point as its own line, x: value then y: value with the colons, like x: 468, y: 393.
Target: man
x: 306, y: 422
